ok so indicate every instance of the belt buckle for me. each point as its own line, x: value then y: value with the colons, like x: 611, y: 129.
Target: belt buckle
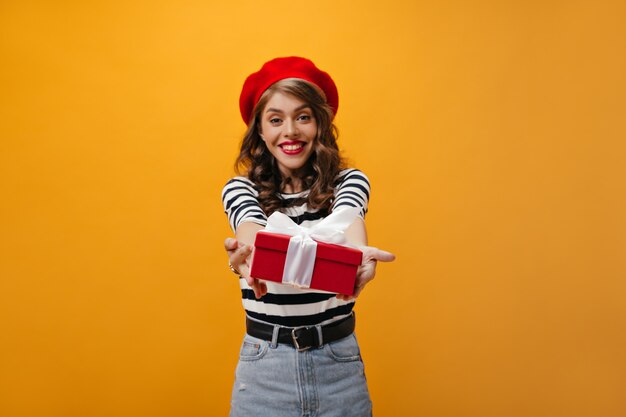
x: 294, y: 337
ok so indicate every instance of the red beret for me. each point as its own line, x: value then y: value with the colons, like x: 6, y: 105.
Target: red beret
x: 279, y: 69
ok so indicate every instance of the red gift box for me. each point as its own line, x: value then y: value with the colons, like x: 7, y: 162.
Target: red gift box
x: 334, y: 270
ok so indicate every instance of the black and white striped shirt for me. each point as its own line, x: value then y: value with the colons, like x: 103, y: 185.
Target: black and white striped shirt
x: 283, y: 304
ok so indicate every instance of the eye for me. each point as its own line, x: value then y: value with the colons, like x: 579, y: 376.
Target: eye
x: 274, y: 120
x: 305, y: 117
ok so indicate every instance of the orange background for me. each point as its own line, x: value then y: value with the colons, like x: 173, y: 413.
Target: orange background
x: 493, y: 134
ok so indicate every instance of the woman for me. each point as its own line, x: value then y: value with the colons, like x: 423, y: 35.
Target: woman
x: 300, y: 356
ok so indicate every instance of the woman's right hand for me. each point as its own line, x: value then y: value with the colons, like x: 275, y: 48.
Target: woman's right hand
x: 239, y: 258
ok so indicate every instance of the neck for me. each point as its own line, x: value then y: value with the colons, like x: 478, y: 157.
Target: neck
x: 292, y: 185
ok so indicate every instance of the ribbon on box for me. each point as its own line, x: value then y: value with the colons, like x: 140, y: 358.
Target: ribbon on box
x: 302, y: 248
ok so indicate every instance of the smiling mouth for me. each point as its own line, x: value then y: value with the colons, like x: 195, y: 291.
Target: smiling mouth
x: 292, y: 148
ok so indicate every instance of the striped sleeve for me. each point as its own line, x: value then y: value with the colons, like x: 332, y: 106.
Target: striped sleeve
x: 240, y: 203
x: 352, y: 190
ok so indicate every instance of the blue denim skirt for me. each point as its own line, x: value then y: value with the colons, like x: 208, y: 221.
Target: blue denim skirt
x: 279, y: 381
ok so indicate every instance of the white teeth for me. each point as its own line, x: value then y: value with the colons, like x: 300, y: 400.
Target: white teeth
x: 292, y: 147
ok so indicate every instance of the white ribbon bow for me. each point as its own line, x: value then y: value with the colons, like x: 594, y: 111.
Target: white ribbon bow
x: 302, y: 248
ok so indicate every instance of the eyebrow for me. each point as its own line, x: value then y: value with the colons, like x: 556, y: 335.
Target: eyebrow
x: 297, y: 109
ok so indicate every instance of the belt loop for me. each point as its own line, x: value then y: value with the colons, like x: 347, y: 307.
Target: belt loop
x: 320, y: 338
x: 274, y: 341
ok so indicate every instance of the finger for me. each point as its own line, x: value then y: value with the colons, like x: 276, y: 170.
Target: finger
x: 357, y: 291
x: 244, y: 271
x: 345, y: 297
x: 383, y: 255
x: 250, y: 250
x: 239, y: 256
x: 257, y: 292
x: 251, y: 282
x: 239, y: 260
x: 257, y: 287
x: 230, y: 244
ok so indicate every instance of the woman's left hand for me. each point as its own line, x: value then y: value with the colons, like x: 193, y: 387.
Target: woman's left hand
x: 367, y: 269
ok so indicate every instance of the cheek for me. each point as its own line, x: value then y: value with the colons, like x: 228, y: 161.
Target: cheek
x: 311, y: 133
x: 263, y: 130
x: 267, y: 134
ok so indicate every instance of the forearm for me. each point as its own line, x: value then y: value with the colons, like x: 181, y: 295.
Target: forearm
x: 246, y: 232
x: 356, y: 234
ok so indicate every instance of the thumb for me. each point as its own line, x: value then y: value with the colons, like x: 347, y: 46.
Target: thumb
x: 230, y: 243
x: 383, y: 255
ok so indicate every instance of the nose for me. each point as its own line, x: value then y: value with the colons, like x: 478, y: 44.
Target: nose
x: 291, y: 128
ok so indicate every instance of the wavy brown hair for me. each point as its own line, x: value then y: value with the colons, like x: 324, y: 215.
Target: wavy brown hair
x: 319, y: 173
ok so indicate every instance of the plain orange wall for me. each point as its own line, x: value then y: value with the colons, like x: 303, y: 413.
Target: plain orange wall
x: 493, y: 133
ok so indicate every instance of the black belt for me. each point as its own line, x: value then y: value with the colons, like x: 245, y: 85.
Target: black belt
x: 303, y: 337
